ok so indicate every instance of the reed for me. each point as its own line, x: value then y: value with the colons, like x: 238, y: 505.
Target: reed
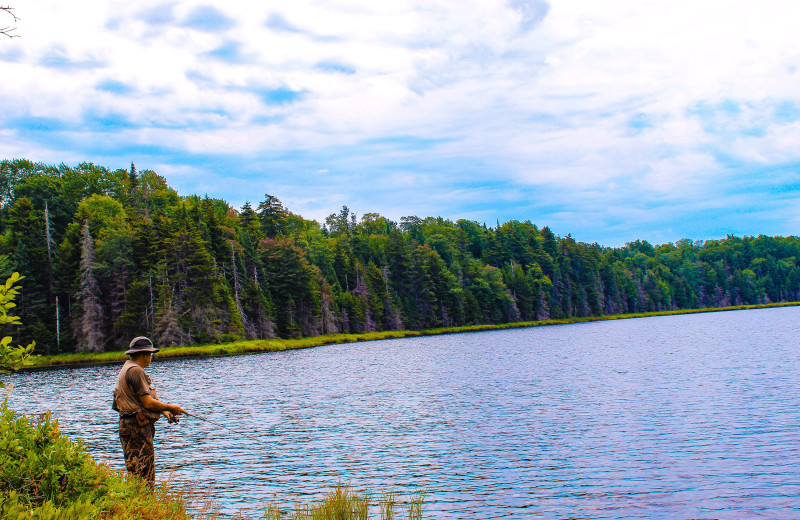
x: 343, y: 504
x: 339, y: 504
x: 387, y: 503
x: 415, y: 505
x: 274, y: 345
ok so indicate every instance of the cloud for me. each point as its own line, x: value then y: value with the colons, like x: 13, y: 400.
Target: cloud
x: 230, y: 52
x: 402, y: 143
x: 532, y: 12
x: 207, y: 18
x: 107, y: 122
x: 12, y: 55
x: 603, y: 119
x: 159, y: 14
x: 786, y: 112
x: 277, y: 22
x: 639, y: 122
x: 36, y: 124
x: 334, y: 66
x: 57, y: 57
x: 114, y: 87
x: 279, y: 96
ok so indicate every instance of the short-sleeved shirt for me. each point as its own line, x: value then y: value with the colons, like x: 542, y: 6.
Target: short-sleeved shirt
x: 138, y: 381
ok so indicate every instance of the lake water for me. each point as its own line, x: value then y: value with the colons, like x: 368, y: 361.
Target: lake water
x: 678, y: 417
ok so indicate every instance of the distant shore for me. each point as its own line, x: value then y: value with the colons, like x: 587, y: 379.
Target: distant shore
x: 274, y: 345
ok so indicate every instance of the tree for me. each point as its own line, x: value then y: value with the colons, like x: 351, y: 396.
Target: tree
x: 11, y: 357
x: 193, y: 269
x: 89, y: 330
x: 7, y: 30
x: 133, y: 187
x: 27, y: 246
x: 273, y: 216
x: 340, y: 224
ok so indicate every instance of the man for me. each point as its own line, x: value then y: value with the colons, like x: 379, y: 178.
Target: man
x: 136, y: 400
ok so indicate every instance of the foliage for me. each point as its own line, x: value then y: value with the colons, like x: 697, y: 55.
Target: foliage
x: 11, y: 357
x: 45, y: 476
x: 133, y: 257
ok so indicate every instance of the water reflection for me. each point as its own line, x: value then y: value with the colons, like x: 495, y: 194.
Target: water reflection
x: 673, y: 417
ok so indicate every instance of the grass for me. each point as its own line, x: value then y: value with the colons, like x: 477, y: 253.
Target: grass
x: 342, y: 504
x: 275, y: 345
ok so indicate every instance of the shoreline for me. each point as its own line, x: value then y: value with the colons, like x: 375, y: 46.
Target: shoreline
x: 256, y: 346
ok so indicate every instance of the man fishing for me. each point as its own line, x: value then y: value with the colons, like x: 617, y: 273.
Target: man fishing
x: 136, y: 400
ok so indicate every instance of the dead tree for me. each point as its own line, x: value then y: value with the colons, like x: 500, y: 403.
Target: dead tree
x: 8, y: 30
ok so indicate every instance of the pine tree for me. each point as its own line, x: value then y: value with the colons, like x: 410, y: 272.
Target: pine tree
x: 272, y: 216
x: 133, y: 186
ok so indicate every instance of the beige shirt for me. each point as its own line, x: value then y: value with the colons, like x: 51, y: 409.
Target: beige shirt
x: 126, y: 398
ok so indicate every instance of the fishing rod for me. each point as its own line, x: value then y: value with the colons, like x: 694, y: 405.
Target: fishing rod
x: 222, y: 426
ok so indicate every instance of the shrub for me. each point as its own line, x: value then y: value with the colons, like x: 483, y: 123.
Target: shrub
x: 41, y: 465
x: 44, y: 476
x: 11, y: 357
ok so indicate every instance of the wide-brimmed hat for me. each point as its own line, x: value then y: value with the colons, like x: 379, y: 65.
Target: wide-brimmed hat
x: 140, y: 344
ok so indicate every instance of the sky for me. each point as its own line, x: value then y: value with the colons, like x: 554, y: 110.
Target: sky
x: 611, y: 121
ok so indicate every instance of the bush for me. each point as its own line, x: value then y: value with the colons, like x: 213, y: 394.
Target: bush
x: 41, y: 465
x: 44, y: 476
x: 11, y: 357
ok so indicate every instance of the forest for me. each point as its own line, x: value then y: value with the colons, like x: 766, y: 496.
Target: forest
x: 109, y: 255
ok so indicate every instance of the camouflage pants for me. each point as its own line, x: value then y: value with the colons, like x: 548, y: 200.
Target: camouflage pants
x: 137, y: 443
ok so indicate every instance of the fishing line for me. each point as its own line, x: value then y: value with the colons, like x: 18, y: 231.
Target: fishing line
x: 259, y: 439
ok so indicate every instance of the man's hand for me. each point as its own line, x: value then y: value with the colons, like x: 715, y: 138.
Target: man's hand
x: 170, y: 417
x: 176, y: 410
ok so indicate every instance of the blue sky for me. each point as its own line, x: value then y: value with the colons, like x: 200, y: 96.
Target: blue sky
x: 612, y: 121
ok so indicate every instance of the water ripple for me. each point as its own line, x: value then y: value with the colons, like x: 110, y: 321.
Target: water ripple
x: 674, y: 417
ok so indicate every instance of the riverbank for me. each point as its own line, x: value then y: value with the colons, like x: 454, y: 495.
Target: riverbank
x: 275, y: 345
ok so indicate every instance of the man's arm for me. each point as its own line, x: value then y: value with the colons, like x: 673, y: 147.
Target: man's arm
x: 157, y: 406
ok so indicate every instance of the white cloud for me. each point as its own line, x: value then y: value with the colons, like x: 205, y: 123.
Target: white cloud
x: 602, y: 97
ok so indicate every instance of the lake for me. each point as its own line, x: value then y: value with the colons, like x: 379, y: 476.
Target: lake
x: 691, y: 416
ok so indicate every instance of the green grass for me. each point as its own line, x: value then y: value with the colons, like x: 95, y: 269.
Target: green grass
x: 274, y: 345
x: 342, y: 504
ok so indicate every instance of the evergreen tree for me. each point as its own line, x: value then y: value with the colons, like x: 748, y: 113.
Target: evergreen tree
x: 192, y: 269
x: 273, y: 216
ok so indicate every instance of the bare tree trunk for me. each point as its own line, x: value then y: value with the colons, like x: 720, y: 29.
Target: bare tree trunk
x: 48, y: 239
x: 89, y: 333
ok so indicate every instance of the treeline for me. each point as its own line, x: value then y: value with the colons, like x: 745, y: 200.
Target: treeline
x: 110, y: 255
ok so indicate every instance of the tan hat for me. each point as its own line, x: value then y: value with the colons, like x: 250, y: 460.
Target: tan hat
x: 140, y: 344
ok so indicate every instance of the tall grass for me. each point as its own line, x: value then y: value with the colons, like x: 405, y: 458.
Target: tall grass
x: 343, y: 504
